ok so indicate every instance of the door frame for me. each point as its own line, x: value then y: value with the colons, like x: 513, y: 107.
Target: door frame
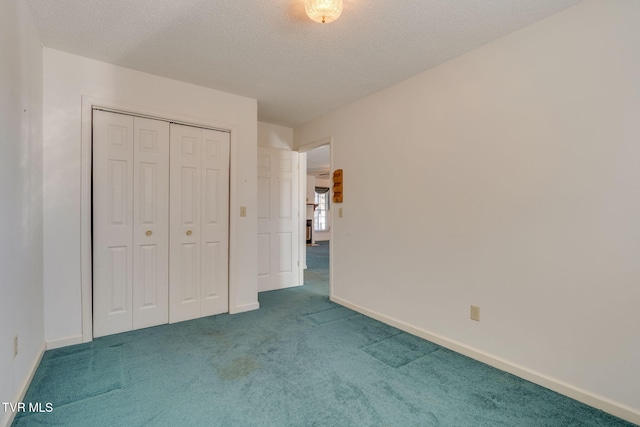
x: 86, y: 204
x: 303, y: 206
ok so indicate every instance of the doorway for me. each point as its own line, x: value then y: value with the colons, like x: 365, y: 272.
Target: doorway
x: 319, y: 215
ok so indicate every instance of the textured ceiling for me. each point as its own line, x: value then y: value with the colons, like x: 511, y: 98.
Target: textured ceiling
x: 269, y: 50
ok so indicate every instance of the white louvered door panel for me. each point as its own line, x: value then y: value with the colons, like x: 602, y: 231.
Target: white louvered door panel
x: 150, y: 223
x: 278, y: 230
x: 215, y: 223
x: 112, y: 223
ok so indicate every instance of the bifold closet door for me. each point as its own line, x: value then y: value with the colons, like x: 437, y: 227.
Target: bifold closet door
x: 130, y: 222
x: 150, y: 223
x: 199, y: 212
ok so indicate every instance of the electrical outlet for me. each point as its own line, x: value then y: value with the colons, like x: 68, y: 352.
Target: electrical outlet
x: 340, y: 212
x: 475, y: 313
x: 243, y: 211
x: 15, y: 346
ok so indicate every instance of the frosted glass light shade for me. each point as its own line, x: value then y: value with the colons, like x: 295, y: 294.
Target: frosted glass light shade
x: 323, y: 10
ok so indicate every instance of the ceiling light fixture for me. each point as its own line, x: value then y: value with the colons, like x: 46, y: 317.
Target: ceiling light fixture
x: 323, y: 10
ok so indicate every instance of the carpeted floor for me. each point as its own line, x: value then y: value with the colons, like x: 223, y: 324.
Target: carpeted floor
x: 300, y: 360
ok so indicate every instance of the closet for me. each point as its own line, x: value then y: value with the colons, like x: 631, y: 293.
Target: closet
x: 160, y: 222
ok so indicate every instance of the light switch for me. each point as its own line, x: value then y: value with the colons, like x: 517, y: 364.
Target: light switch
x: 340, y: 212
x: 243, y: 211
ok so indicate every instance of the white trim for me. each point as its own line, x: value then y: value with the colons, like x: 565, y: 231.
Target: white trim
x: 302, y: 215
x: 315, y: 144
x: 159, y: 118
x: 244, y: 308
x: 600, y: 402
x: 8, y: 417
x: 65, y: 342
x: 139, y: 110
x: 334, y: 215
x: 234, y: 206
x: 86, y: 285
x: 86, y: 255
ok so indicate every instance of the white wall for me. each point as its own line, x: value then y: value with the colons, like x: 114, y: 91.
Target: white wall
x: 66, y: 79
x: 275, y: 136
x: 506, y: 178
x: 21, y: 273
x: 311, y: 185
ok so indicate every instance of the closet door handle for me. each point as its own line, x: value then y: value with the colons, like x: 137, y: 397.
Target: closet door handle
x: 149, y: 233
x: 189, y: 233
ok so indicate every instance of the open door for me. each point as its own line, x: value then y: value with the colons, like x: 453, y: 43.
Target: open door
x: 278, y: 219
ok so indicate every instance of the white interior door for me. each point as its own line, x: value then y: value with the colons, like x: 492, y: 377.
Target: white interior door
x: 199, y: 206
x: 215, y: 223
x: 184, y: 253
x: 278, y: 219
x: 130, y: 222
x: 150, y: 223
x: 112, y: 223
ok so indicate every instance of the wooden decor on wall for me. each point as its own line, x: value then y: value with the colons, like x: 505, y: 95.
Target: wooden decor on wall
x: 337, y: 186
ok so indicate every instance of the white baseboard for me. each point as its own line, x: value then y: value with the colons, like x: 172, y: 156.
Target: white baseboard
x: 600, y: 402
x: 64, y: 342
x: 8, y: 417
x: 245, y: 307
x: 295, y: 285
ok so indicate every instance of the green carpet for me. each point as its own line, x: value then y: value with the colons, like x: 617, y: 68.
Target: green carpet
x: 300, y: 360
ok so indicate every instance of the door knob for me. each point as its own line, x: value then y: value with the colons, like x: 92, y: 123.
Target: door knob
x: 149, y: 233
x: 189, y: 233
